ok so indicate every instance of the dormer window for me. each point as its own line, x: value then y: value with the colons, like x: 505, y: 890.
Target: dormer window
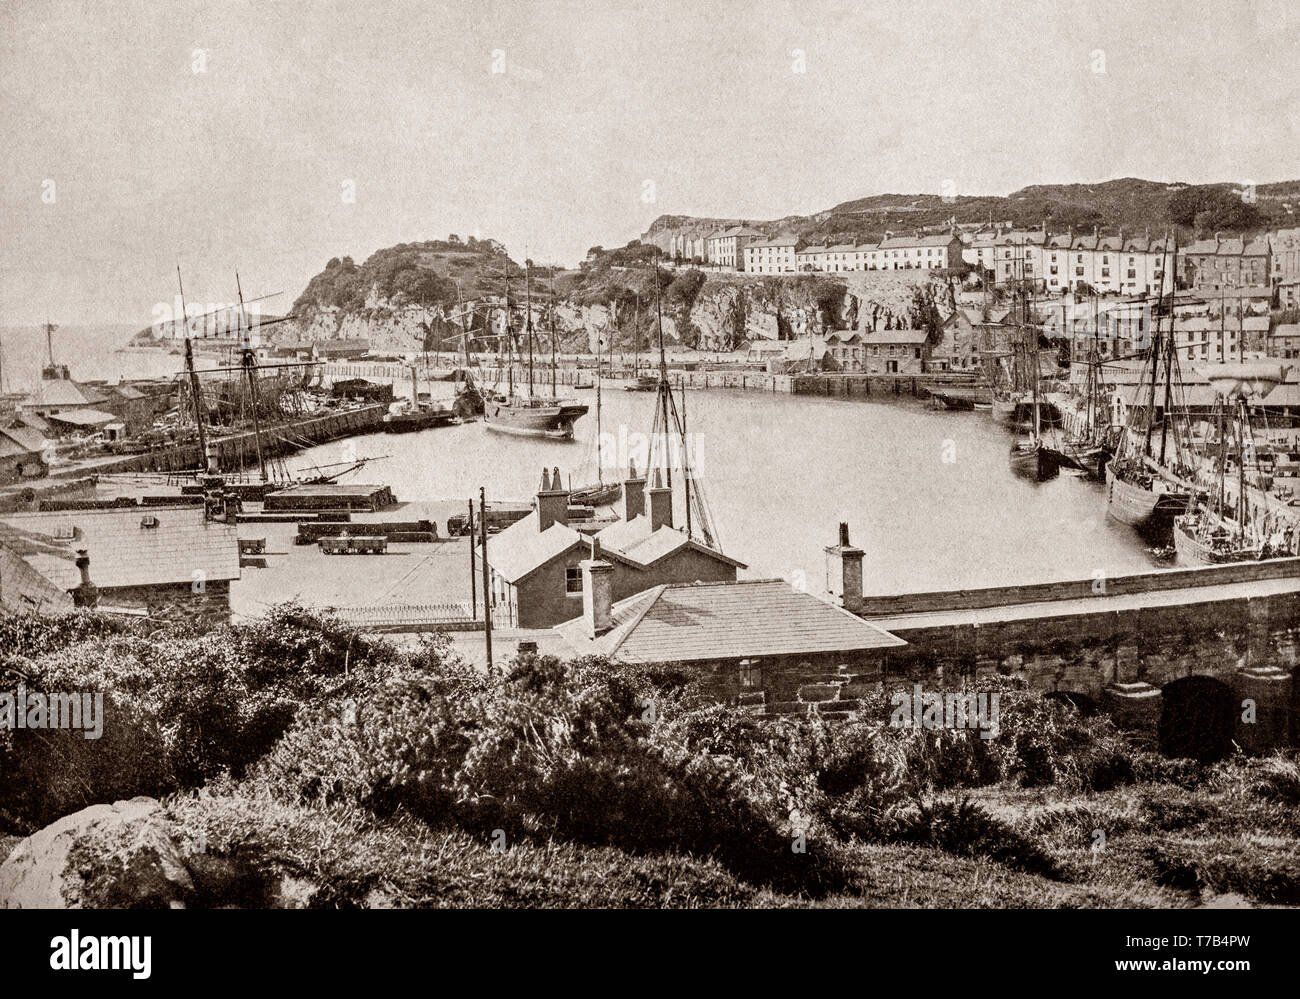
x: 148, y: 521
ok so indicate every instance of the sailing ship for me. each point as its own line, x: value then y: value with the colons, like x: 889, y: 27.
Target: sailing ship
x: 408, y: 417
x: 1032, y: 457
x: 669, y: 429
x: 528, y: 415
x: 468, y: 402
x: 600, y: 492
x: 1145, y: 490
x: 639, y: 382
x: 252, y: 405
x: 1216, y: 533
x: 1092, y: 443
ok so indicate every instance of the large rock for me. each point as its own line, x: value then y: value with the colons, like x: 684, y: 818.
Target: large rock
x: 125, y: 848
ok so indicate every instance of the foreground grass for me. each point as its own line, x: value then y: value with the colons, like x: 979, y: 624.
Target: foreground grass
x: 304, y: 765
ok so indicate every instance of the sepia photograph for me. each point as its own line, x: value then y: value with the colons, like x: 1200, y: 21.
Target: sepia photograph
x: 596, y: 455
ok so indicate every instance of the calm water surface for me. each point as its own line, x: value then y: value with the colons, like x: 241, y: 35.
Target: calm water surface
x: 927, y: 494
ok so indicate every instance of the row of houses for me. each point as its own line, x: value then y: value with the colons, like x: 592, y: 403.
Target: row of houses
x: 1124, y: 263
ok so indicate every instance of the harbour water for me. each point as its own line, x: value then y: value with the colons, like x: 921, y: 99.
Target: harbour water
x: 927, y: 494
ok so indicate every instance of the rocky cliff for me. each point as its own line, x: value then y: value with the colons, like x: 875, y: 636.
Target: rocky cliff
x: 711, y: 311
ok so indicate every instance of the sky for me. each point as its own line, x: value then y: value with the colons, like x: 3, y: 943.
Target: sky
x: 268, y: 137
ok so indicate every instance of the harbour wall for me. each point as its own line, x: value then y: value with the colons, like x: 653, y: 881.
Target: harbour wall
x: 238, y: 451
x: 841, y: 386
x: 1122, y: 647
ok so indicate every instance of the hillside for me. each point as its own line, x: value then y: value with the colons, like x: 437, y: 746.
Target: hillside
x: 1129, y: 203
x: 403, y: 298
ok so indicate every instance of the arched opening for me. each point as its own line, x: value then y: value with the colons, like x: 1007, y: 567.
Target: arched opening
x: 1082, y: 703
x: 1196, y: 719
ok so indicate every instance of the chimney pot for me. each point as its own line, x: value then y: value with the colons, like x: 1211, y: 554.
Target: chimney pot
x: 844, y: 572
x: 85, y: 594
x: 660, y: 505
x: 597, y: 595
x: 552, y: 502
x: 633, y: 493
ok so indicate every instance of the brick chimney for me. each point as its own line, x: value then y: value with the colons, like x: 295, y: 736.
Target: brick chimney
x: 844, y: 572
x: 552, y: 501
x: 633, y: 493
x: 597, y: 592
x: 660, y: 506
x: 85, y: 594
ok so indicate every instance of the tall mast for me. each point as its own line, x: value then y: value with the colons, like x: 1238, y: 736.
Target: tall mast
x: 528, y: 332
x: 1242, y: 417
x: 1154, y: 355
x: 636, y: 338
x: 686, y: 465
x: 508, y: 340
x: 464, y: 328
x: 554, y: 393
x: 1169, y: 363
x: 664, y: 388
x: 195, y: 393
x: 600, y: 476
x: 250, y: 369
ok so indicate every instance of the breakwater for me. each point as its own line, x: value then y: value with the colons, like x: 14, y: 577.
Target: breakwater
x: 237, y: 451
x: 751, y: 379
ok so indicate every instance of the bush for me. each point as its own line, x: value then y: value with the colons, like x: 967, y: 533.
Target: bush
x: 965, y: 829
x: 180, y: 706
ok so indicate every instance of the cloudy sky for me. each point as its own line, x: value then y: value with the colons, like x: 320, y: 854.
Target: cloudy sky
x: 230, y: 135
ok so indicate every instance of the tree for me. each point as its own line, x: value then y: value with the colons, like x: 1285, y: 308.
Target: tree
x: 1211, y: 207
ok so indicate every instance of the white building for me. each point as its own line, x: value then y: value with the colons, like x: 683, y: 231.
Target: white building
x: 772, y: 256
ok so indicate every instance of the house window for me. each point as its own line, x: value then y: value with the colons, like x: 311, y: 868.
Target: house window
x: 573, y: 580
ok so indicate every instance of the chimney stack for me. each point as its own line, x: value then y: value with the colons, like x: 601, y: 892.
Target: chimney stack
x: 85, y: 594
x: 660, y: 507
x: 597, y: 592
x: 633, y: 493
x: 552, y: 501
x: 844, y: 572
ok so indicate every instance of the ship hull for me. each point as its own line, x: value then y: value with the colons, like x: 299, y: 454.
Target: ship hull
x: 527, y: 421
x: 1138, y: 507
x: 1037, y: 463
x: 411, y: 423
x: 596, y: 495
x: 1193, y: 551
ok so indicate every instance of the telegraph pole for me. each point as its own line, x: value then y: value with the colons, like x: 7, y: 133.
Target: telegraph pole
x: 473, y: 568
x: 487, y: 598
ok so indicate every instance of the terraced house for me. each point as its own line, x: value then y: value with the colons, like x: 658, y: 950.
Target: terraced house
x: 1227, y: 263
x: 772, y: 256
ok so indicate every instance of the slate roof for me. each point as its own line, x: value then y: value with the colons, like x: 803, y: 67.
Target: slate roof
x: 82, y: 417
x: 893, y: 336
x: 63, y: 392
x: 706, y: 621
x: 898, y: 242
x: 125, y: 553
x: 521, y: 548
x: 29, y: 440
x: 22, y: 588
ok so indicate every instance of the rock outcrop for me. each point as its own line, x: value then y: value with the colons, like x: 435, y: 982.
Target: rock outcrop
x: 126, y: 847
x: 130, y: 855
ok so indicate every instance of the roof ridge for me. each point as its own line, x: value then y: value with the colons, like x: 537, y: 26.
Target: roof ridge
x: 630, y: 625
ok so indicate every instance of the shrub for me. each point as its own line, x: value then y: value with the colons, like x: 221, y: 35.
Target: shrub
x: 965, y: 829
